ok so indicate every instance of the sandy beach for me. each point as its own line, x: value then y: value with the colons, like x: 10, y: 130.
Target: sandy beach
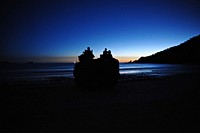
x: 142, y: 104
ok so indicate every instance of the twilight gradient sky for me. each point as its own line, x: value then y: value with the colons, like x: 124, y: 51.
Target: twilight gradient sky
x: 59, y: 30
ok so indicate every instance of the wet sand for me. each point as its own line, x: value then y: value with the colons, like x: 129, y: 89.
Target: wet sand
x: 147, y: 104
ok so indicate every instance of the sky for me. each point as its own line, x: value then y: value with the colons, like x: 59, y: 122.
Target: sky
x: 60, y: 30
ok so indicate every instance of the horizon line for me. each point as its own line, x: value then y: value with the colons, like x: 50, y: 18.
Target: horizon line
x: 58, y: 59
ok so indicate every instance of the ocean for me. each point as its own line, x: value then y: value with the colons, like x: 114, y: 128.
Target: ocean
x: 44, y: 71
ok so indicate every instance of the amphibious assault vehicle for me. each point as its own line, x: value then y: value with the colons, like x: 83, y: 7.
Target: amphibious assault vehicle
x: 100, y: 72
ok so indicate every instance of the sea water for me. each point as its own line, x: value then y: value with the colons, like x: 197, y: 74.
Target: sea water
x: 42, y: 71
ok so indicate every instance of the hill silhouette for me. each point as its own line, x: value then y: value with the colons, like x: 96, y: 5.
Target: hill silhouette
x: 187, y: 52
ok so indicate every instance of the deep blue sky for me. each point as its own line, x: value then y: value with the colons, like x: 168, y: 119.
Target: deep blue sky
x: 59, y: 30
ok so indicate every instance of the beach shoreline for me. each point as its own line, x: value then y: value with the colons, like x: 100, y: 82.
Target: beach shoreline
x: 136, y: 104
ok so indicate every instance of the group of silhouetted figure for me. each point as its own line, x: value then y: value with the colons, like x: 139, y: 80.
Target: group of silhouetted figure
x: 100, y: 72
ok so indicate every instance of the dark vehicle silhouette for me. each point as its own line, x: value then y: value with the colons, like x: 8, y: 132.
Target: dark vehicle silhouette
x: 101, y: 72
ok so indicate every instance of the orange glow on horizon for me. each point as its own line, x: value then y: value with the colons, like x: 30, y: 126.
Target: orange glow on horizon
x: 120, y: 58
x: 126, y: 58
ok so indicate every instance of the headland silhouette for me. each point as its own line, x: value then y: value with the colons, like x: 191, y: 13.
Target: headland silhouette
x: 185, y: 53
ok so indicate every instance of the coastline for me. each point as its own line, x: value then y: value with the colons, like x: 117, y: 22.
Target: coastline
x: 136, y: 104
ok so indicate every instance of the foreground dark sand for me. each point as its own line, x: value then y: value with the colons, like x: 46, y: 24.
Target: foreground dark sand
x: 168, y: 104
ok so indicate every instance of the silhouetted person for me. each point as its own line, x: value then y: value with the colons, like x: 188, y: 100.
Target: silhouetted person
x: 105, y: 51
x: 86, y: 56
